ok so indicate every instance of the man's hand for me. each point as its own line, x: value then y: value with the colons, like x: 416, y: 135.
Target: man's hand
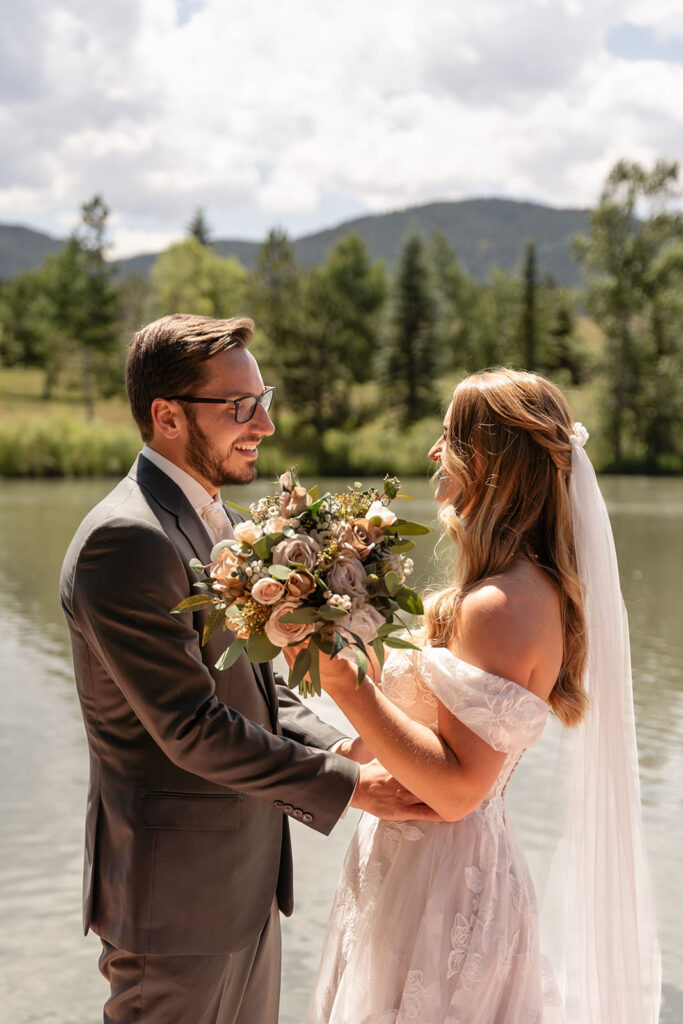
x: 356, y: 750
x: 380, y: 794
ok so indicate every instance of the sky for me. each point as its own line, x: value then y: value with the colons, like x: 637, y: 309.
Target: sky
x: 302, y: 114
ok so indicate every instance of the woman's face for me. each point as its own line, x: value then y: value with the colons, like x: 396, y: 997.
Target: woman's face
x: 445, y: 489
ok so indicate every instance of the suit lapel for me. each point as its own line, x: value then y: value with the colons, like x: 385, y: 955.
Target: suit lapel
x: 171, y: 497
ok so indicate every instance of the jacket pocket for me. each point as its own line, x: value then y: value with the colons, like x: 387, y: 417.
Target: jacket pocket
x: 201, y: 812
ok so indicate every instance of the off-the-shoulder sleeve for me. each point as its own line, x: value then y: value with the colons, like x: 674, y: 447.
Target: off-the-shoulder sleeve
x: 499, y: 711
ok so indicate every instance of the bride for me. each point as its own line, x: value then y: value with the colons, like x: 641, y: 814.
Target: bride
x: 438, y: 923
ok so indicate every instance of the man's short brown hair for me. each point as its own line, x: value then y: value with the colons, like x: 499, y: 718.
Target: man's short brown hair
x: 167, y: 358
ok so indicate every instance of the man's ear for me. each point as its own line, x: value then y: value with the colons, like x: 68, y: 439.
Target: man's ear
x: 168, y: 418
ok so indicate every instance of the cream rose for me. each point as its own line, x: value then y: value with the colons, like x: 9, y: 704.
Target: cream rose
x: 301, y: 549
x: 283, y: 633
x: 275, y: 524
x: 364, y: 622
x: 267, y: 590
x: 247, y: 532
x: 378, y: 510
x: 347, y: 576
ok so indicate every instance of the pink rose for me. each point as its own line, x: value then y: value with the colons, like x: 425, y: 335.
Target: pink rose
x: 347, y: 576
x: 267, y: 590
x: 301, y: 549
x: 295, y: 501
x: 247, y: 532
x: 283, y: 633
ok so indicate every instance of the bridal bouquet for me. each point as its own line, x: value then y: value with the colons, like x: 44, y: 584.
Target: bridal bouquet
x: 329, y: 570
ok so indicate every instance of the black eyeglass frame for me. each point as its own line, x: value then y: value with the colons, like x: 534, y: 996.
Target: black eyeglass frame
x: 265, y: 399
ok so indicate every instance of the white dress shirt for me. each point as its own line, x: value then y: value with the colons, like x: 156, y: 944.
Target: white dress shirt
x: 191, y: 488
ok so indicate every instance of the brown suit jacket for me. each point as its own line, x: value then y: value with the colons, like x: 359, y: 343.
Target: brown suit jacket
x: 193, y: 772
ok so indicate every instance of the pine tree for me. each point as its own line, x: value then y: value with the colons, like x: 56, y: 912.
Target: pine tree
x: 410, y: 356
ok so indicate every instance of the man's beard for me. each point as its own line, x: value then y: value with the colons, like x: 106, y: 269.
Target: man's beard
x: 205, y: 460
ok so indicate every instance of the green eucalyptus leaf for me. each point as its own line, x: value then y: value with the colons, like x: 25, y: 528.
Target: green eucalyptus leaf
x: 215, y: 620
x: 392, y: 582
x: 395, y: 641
x: 314, y: 492
x: 238, y: 508
x: 314, y: 670
x: 279, y: 572
x: 302, y: 615
x: 330, y: 613
x: 388, y: 628
x: 378, y: 648
x: 260, y: 649
x: 401, y: 546
x: 361, y: 665
x: 197, y: 566
x: 316, y: 504
x: 193, y: 604
x: 340, y: 642
x: 301, y: 665
x: 409, y: 601
x: 261, y: 548
x: 406, y: 528
x: 230, y: 656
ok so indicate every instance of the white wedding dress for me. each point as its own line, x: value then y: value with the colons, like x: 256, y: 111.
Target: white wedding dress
x: 437, y: 923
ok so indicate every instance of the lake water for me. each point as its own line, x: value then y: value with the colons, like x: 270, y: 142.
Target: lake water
x: 48, y: 971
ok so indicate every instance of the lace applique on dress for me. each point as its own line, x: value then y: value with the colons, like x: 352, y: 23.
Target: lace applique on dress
x: 437, y: 923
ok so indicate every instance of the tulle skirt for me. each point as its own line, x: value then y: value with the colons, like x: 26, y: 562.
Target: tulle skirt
x: 434, y: 924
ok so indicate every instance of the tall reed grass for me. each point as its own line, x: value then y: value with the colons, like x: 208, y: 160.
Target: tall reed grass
x: 65, y: 447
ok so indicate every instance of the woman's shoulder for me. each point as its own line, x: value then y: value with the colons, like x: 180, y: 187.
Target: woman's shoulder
x: 511, y: 625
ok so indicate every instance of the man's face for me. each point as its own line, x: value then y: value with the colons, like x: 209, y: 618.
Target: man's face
x: 218, y: 450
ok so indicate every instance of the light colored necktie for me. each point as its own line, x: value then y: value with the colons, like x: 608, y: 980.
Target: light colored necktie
x: 215, y: 517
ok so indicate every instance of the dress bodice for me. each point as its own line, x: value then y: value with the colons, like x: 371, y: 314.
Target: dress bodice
x: 504, y: 714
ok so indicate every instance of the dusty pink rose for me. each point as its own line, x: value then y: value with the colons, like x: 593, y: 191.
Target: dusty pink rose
x: 364, y: 622
x: 364, y: 536
x: 347, y: 576
x: 295, y: 501
x: 303, y: 549
x: 223, y: 570
x: 267, y: 590
x: 247, y: 532
x: 283, y: 633
x: 300, y: 583
x: 377, y: 509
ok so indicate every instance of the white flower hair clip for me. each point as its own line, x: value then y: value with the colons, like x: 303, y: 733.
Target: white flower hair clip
x: 580, y: 435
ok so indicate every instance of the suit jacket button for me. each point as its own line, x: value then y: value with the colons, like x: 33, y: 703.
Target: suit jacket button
x: 279, y: 804
x: 307, y: 818
x: 288, y: 808
x: 297, y: 812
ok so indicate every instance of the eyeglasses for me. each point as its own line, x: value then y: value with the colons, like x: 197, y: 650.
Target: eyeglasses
x: 245, y: 406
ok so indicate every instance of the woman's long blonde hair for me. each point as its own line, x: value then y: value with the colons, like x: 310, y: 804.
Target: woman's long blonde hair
x: 508, y: 456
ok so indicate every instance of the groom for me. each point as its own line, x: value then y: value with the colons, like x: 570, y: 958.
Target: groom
x: 194, y: 772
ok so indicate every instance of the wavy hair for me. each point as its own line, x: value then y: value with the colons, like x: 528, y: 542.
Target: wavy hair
x: 508, y: 457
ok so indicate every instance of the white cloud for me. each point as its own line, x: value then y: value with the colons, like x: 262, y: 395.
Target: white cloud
x: 290, y: 111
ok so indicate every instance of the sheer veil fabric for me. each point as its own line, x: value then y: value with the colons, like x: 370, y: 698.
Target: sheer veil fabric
x: 597, y: 916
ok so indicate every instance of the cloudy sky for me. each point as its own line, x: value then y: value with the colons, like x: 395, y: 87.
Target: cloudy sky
x: 304, y: 113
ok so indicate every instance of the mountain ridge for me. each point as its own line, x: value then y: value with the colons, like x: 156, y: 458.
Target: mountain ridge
x: 485, y: 233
